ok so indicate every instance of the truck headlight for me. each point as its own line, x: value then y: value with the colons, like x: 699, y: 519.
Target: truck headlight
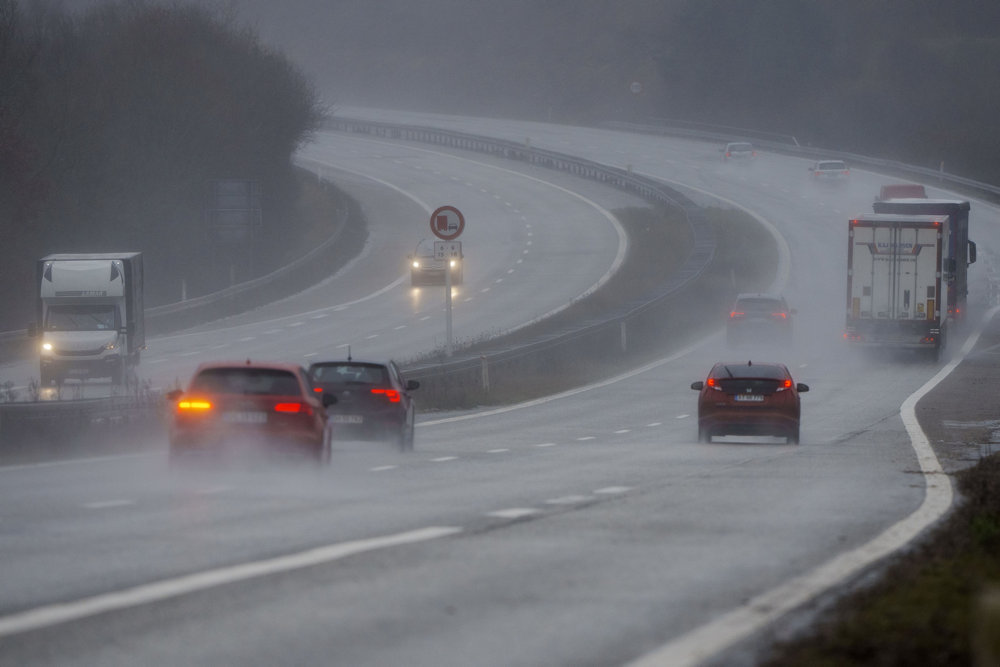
x: 416, y: 264
x: 46, y: 347
x: 113, y: 345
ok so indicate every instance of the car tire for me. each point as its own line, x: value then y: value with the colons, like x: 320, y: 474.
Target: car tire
x: 704, y: 435
x: 325, y: 454
x: 793, y: 437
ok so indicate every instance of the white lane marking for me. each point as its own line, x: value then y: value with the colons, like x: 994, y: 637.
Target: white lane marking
x: 513, y: 513
x: 295, y: 324
x: 742, y: 622
x: 586, y: 437
x: 401, y: 326
x: 623, y: 430
x: 311, y: 354
x: 546, y: 444
x: 54, y: 614
x: 442, y: 459
x: 246, y: 339
x: 682, y: 416
x: 613, y: 490
x: 654, y: 424
x: 105, y: 504
x: 568, y: 500
x: 371, y: 336
x: 497, y: 451
x: 381, y: 468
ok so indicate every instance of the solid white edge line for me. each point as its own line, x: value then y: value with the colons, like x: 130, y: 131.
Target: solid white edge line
x: 740, y: 623
x: 169, y: 588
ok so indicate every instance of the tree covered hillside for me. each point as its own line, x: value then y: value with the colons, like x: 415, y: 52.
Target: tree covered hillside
x: 115, y: 123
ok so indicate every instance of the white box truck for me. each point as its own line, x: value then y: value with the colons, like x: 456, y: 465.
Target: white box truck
x: 89, y: 316
x: 898, y: 269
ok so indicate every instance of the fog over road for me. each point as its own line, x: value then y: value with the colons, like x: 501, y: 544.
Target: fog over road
x: 586, y: 529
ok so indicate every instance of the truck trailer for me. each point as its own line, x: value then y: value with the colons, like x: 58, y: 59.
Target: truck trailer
x: 961, y: 249
x: 898, y: 268
x: 89, y: 316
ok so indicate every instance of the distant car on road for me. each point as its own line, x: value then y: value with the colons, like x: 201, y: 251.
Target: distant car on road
x: 426, y: 269
x: 749, y: 398
x: 373, y: 400
x: 738, y: 151
x: 829, y: 171
x: 250, y: 408
x: 759, y: 318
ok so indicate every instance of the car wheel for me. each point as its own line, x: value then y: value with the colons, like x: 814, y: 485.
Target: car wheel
x: 326, y: 446
x: 793, y: 437
x: 704, y: 435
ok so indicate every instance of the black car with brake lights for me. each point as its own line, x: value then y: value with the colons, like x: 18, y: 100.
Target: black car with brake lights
x: 758, y: 318
x: 373, y: 400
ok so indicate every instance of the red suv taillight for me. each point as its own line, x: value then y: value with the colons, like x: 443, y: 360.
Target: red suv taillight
x: 293, y: 408
x: 737, y: 315
x: 391, y: 394
x: 193, y: 405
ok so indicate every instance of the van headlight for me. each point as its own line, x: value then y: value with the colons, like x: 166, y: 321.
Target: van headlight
x: 46, y: 346
x: 416, y: 264
x: 113, y: 345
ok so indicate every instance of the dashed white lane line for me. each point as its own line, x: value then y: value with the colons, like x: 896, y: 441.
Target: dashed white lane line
x: 546, y: 444
x: 654, y: 424
x: 54, y: 614
x: 568, y: 500
x: 586, y: 437
x: 105, y: 504
x: 622, y: 431
x: 442, y: 459
x: 382, y: 468
x: 246, y: 339
x: 682, y: 416
x: 401, y: 326
x: 513, y: 512
x: 613, y: 490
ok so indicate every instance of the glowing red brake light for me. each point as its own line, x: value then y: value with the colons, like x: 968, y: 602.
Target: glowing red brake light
x: 391, y: 394
x: 783, y: 316
x: 292, y: 408
x: 788, y: 383
x: 318, y: 390
x: 735, y: 315
x: 194, y: 404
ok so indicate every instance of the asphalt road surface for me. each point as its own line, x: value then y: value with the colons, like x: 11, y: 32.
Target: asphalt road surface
x: 589, y: 528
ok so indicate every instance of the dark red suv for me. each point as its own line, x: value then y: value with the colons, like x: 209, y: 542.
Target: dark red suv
x: 752, y: 398
x: 237, y: 408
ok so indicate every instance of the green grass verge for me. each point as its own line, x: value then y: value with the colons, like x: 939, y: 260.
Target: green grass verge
x: 937, y: 605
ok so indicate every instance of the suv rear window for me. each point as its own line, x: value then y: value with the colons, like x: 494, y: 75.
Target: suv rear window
x: 350, y: 373
x: 249, y: 381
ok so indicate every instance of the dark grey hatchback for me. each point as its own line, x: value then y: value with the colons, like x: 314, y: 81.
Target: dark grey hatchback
x: 373, y: 400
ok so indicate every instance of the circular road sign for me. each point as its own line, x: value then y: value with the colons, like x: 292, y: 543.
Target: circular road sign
x: 447, y: 223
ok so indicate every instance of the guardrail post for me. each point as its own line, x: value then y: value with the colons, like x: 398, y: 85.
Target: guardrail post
x: 485, y: 372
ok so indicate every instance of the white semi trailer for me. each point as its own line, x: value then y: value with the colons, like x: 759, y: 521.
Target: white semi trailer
x: 898, y: 270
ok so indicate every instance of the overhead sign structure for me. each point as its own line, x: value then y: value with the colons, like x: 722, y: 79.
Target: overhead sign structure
x: 447, y: 223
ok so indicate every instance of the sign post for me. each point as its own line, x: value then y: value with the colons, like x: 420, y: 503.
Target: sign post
x: 447, y: 223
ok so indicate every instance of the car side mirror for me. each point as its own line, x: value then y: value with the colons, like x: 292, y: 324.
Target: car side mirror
x: 801, y: 387
x: 972, y: 252
x: 328, y: 400
x: 174, y: 394
x: 412, y: 384
x: 698, y: 386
